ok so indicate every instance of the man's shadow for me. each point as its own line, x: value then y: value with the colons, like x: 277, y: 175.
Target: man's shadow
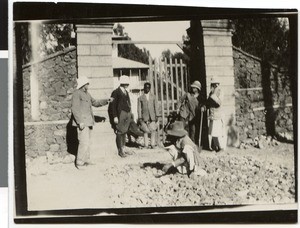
x: 159, y: 166
x: 99, y: 119
x: 72, y: 136
x: 72, y: 139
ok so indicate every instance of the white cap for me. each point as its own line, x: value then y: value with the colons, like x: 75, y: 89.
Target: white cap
x: 124, y: 79
x: 81, y: 81
x: 214, y: 81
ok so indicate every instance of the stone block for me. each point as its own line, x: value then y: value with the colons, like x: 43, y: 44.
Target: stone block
x: 219, y: 61
x: 100, y: 94
x: 96, y: 72
x: 223, y: 41
x: 212, y: 71
x: 218, y: 51
x: 101, y: 83
x: 94, y: 61
x: 101, y: 50
x: 84, y: 49
x: 93, y: 38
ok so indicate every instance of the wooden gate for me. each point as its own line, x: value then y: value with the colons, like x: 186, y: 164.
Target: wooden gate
x: 169, y: 81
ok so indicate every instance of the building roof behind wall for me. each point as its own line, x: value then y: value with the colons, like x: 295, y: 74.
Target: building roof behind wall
x: 122, y: 63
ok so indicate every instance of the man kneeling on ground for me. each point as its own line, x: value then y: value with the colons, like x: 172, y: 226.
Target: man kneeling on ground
x: 184, y: 152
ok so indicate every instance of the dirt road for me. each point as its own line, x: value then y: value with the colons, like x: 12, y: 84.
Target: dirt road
x: 251, y: 176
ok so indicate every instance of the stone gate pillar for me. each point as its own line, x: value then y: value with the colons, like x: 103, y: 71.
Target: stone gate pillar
x: 219, y: 62
x: 94, y: 59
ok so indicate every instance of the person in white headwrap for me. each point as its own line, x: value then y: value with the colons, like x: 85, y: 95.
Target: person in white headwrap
x: 216, y: 119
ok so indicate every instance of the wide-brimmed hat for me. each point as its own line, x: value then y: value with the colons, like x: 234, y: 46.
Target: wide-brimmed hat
x: 124, y: 79
x: 81, y: 81
x: 177, y: 129
x: 196, y: 84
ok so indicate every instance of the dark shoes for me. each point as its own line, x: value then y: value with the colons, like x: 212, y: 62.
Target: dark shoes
x: 122, y: 155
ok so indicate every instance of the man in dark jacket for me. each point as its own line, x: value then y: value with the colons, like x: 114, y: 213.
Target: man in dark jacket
x: 83, y: 118
x: 121, y: 113
x: 192, y: 106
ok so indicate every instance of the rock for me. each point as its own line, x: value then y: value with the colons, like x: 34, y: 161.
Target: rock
x: 60, y: 132
x: 68, y: 159
x: 54, y: 147
x: 43, y: 105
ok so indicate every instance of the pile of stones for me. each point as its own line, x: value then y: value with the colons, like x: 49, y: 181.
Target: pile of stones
x: 229, y: 180
x: 260, y: 142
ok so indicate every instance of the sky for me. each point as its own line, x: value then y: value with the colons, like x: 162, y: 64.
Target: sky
x: 157, y: 31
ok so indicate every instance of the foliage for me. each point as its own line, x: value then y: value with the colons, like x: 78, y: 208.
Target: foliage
x: 130, y: 51
x: 266, y: 38
x: 177, y: 55
x: 53, y: 38
x: 25, y: 43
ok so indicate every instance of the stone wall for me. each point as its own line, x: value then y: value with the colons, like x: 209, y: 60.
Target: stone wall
x: 253, y: 108
x: 56, y: 82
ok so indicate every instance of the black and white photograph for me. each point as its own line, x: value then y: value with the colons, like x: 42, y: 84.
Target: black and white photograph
x: 141, y: 110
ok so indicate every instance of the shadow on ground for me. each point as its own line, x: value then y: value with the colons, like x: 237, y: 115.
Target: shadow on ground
x: 159, y: 166
x: 99, y: 119
x: 72, y: 139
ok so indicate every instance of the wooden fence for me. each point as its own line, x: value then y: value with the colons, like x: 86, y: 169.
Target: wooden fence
x: 169, y: 81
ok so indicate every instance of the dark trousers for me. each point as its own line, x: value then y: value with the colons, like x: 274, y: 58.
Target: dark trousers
x: 121, y: 141
x: 122, y: 128
x: 215, y: 145
x: 194, y: 130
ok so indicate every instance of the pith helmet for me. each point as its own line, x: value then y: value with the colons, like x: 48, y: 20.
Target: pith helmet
x: 124, y: 79
x: 196, y: 84
x: 81, y: 81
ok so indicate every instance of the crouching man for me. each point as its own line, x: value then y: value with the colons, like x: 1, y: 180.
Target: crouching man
x: 184, y: 152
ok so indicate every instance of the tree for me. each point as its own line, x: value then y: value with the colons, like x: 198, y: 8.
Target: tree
x: 266, y: 38
x: 130, y: 51
x: 177, y: 55
x: 53, y: 38
x: 166, y: 54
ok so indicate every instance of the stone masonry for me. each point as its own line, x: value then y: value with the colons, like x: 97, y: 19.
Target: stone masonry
x: 57, y: 80
x: 250, y: 106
